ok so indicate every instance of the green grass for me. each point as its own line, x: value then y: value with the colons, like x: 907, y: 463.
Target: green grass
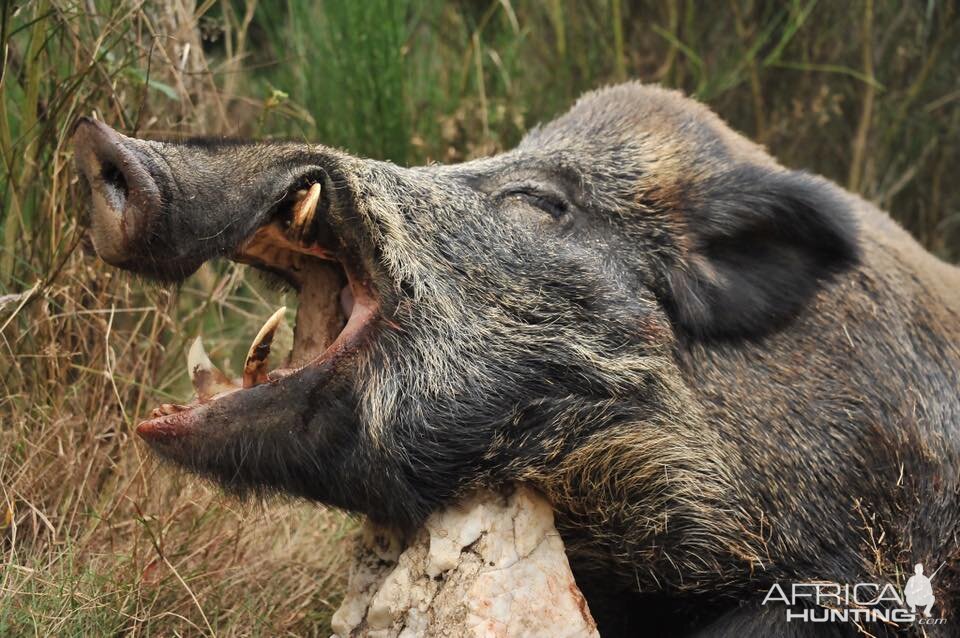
x: 358, y: 96
x: 98, y: 540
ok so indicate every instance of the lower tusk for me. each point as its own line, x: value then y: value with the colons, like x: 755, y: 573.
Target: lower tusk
x: 207, y: 379
x: 255, y: 366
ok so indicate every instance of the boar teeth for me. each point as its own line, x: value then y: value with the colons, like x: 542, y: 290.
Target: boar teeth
x: 206, y: 378
x: 255, y: 367
x: 304, y: 210
x: 167, y: 408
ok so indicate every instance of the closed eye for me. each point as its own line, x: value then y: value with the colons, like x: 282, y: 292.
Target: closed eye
x: 553, y: 204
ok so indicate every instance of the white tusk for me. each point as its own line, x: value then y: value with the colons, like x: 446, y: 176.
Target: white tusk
x: 207, y: 379
x: 305, y: 209
x: 255, y: 366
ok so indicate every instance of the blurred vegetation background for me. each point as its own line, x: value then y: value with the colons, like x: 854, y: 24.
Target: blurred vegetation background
x: 95, y: 539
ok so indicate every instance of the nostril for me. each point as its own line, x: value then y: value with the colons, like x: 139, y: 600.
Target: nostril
x: 114, y: 178
x: 115, y: 188
x: 124, y: 194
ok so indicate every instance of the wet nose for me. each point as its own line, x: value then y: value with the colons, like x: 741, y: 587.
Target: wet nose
x: 124, y: 195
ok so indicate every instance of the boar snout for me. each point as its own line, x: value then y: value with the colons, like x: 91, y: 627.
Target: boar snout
x: 124, y: 194
x: 162, y: 208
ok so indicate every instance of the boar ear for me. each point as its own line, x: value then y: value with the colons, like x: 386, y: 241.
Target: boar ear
x: 761, y: 242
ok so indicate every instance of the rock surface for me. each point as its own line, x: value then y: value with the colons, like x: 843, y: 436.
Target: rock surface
x: 494, y: 565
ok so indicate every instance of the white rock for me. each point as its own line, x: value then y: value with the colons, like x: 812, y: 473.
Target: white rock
x: 493, y: 565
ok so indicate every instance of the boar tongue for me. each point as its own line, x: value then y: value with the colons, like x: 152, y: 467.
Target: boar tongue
x: 319, y: 319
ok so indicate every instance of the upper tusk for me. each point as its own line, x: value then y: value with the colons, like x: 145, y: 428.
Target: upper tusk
x: 305, y: 210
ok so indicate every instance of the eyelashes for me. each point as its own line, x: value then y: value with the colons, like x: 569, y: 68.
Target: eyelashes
x: 556, y: 208
x: 553, y: 204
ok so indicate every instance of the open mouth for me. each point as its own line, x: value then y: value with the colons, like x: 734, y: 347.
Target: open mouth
x: 337, y: 309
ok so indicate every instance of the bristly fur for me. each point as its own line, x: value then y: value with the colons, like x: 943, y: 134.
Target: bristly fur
x: 723, y: 373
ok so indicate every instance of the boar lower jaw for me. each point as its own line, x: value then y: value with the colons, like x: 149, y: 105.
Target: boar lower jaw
x: 173, y: 421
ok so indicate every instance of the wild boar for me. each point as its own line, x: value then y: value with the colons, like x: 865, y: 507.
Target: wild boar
x: 724, y: 374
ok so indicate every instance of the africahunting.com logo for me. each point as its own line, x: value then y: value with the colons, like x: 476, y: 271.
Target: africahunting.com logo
x: 822, y: 602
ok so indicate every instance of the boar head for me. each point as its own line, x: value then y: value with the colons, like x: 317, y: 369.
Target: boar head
x: 499, y: 320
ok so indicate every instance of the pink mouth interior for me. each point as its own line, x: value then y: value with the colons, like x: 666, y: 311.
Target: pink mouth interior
x: 336, y: 308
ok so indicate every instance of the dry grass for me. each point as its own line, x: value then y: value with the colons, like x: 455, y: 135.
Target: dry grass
x: 97, y: 540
